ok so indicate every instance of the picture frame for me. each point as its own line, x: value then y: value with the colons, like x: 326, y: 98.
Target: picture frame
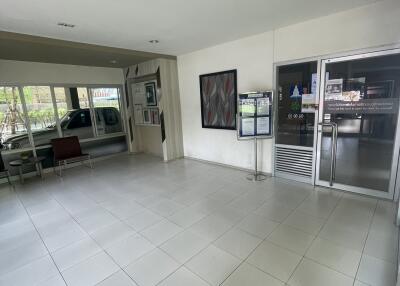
x: 155, y: 116
x: 151, y: 94
x: 146, y: 116
x: 218, y: 99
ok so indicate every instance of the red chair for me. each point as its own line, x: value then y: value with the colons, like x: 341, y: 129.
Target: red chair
x: 67, y: 150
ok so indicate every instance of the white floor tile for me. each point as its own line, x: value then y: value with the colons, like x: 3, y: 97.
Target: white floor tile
x: 382, y: 246
x: 61, y: 239
x: 187, y: 217
x: 213, y: 265
x: 257, y: 225
x: 211, y: 227
x: 30, y: 274
x: 274, y: 260
x: 161, y: 232
x: 166, y: 208
x: 108, y: 235
x: 238, y: 242
x: 274, y: 211
x: 95, y: 218
x: 374, y: 272
x: 91, y: 271
x: 183, y: 277
x: 17, y: 257
x: 184, y: 246
x: 123, y: 209
x: 143, y: 220
x: 203, y: 204
x: 343, y: 236
x: 309, y: 273
x: 75, y: 253
x: 341, y: 259
x: 249, y: 275
x: 152, y: 268
x: 129, y: 249
x: 118, y: 279
x: 54, y: 281
x: 305, y: 222
x: 291, y: 238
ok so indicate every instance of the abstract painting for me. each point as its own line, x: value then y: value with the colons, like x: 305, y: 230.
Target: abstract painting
x: 218, y: 93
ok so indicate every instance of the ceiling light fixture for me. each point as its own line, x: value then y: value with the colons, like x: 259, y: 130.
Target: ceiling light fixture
x: 113, y: 61
x: 65, y: 25
x: 154, y: 41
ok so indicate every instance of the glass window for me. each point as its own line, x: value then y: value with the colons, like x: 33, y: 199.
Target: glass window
x: 297, y: 90
x: 40, y: 109
x: 80, y: 119
x: 62, y: 106
x: 13, y: 132
x: 107, y: 110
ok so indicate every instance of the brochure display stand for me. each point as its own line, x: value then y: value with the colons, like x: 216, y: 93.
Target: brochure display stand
x: 255, y: 121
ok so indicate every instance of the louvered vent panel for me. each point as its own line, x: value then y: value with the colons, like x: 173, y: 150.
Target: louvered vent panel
x: 294, y: 161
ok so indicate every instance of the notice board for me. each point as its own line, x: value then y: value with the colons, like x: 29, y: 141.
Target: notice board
x: 255, y: 115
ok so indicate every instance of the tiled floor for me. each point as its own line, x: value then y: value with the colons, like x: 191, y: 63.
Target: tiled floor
x: 136, y: 221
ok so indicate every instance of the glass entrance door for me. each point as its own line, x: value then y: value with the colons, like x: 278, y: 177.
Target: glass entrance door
x: 358, y: 123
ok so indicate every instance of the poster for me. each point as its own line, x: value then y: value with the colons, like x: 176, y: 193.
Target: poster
x: 247, y: 107
x: 334, y: 89
x: 308, y: 104
x: 138, y: 112
x: 247, y: 125
x: 262, y: 125
x: 262, y: 106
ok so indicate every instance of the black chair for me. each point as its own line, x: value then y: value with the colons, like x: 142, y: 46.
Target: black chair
x: 4, y: 173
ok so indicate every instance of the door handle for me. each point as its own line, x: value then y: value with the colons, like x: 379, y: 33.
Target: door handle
x: 334, y: 135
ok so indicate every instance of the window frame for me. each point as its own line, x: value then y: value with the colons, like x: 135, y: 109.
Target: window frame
x: 52, y: 86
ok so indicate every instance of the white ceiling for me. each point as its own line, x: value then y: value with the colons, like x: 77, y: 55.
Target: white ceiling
x: 181, y: 26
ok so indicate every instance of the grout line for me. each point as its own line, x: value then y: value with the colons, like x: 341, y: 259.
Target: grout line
x: 366, y: 239
x: 315, y: 237
x: 40, y: 236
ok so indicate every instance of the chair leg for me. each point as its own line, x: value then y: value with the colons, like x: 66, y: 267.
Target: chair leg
x: 60, y: 169
x: 8, y: 178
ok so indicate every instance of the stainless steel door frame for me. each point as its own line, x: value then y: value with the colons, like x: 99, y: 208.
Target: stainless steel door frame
x: 390, y: 194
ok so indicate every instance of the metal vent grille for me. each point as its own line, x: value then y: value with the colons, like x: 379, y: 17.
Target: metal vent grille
x: 297, y: 162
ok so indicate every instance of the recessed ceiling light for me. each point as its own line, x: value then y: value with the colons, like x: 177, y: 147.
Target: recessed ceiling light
x: 154, y: 41
x: 66, y: 25
x: 113, y: 61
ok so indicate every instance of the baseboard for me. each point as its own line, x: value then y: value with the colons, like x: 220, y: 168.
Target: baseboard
x: 226, y: 165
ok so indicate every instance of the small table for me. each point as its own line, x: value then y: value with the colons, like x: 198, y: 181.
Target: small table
x: 30, y: 161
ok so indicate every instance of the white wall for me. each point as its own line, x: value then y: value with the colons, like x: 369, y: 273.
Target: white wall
x: 13, y: 72
x: 369, y: 26
x: 252, y: 57
x: 150, y: 140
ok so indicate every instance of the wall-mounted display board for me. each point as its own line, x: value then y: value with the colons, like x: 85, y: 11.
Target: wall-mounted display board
x: 146, y: 111
x: 255, y: 115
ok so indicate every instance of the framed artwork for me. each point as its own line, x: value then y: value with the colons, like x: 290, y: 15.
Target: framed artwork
x: 155, y: 117
x: 146, y: 116
x: 151, y: 94
x: 218, y: 92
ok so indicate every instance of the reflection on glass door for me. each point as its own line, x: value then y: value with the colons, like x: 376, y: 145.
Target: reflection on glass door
x: 297, y: 91
x: 358, y: 122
